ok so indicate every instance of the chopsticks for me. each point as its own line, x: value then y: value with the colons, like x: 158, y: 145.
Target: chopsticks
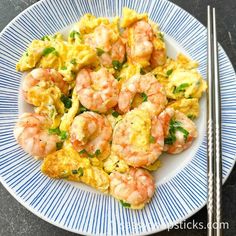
x: 213, y: 129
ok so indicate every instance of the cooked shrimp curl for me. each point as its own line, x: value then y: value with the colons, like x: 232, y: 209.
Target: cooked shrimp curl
x: 153, y: 93
x: 179, y: 130
x: 134, y: 188
x: 109, y: 46
x: 139, y: 43
x: 91, y: 134
x: 31, y: 132
x: 144, y: 45
x: 97, y: 91
x: 38, y: 75
x: 138, y: 139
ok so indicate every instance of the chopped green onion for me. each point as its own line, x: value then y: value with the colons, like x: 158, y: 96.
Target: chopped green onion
x: 152, y: 139
x: 74, y: 33
x: 59, y: 145
x: 118, y: 78
x: 125, y: 204
x: 63, y: 135
x: 97, y: 152
x: 45, y: 38
x: 73, y: 61
x: 191, y: 117
x: 169, y: 72
x: 115, y: 114
x: 74, y: 172
x: 56, y: 53
x: 83, y: 151
x: 67, y: 101
x: 47, y: 51
x: 73, y: 74
x: 144, y: 96
x: 170, y: 139
x: 161, y: 36
x: 100, y: 51
x: 181, y: 88
x: 63, y: 68
x: 184, y: 131
x: 117, y: 65
x: 142, y: 72
x: 174, y: 126
x: 82, y: 109
x: 54, y: 131
x: 80, y: 171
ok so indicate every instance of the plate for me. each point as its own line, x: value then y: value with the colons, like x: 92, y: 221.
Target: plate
x: 182, y: 180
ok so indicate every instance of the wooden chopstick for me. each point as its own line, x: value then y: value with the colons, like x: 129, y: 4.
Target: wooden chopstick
x: 213, y: 129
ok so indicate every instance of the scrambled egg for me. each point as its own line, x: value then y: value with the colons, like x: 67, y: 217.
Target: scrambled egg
x: 128, y: 70
x: 46, y: 97
x: 54, y: 52
x: 130, y: 16
x: 185, y: 84
x: 67, y: 163
x: 68, y: 117
x: 154, y: 166
x: 140, y: 128
x: 138, y: 123
x: 190, y: 107
x: 113, y: 163
x: 89, y: 22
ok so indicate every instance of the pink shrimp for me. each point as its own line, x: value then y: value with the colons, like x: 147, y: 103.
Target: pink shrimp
x: 31, y: 132
x: 135, y: 126
x: 91, y: 134
x: 179, y: 130
x: 110, y: 50
x: 33, y: 78
x: 154, y: 97
x: 133, y: 188
x: 97, y: 91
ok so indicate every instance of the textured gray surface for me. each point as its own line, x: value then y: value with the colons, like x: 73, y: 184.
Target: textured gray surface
x: 18, y: 221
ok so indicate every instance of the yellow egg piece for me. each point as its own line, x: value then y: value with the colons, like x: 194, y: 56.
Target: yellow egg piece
x: 190, y: 107
x: 130, y: 16
x: 67, y: 164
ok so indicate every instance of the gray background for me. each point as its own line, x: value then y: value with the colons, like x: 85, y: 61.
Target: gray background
x: 18, y: 221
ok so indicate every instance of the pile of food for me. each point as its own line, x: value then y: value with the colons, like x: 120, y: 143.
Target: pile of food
x: 108, y: 102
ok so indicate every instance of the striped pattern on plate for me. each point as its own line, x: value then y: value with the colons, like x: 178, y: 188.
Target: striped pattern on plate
x: 90, y: 213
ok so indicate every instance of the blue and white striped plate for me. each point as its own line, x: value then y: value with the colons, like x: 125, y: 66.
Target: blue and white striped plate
x: 181, y: 182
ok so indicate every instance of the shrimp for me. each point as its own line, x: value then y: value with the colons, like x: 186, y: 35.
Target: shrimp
x: 33, y: 78
x: 139, y: 43
x: 111, y: 46
x: 32, y: 135
x: 154, y: 97
x: 145, y: 44
x: 97, y: 91
x: 90, y: 134
x: 179, y: 130
x: 138, y: 139
x: 158, y: 57
x: 134, y: 188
